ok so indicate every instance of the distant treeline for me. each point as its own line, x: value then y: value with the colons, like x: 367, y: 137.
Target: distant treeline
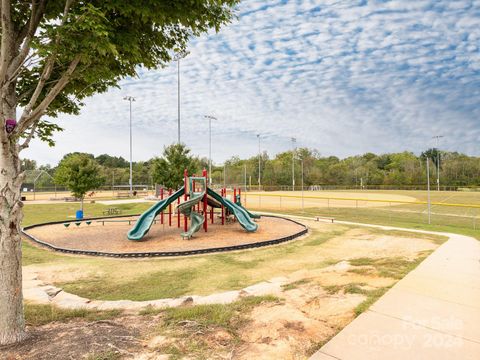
x: 394, y: 169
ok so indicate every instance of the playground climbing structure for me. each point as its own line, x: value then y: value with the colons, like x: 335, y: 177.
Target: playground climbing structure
x: 197, y: 198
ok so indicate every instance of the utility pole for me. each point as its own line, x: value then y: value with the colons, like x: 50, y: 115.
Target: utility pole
x: 293, y: 163
x: 437, y: 137
x: 130, y: 99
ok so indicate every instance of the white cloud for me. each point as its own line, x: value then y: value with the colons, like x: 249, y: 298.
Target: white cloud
x: 343, y: 77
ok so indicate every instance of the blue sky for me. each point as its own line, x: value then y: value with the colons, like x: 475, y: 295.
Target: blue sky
x: 344, y: 77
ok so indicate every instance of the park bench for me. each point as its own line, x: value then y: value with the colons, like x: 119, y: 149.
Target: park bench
x: 103, y: 221
x: 123, y: 194
x: 141, y: 193
x: 114, y: 221
x: 318, y: 218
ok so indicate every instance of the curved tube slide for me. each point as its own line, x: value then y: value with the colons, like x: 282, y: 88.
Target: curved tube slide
x: 145, y: 221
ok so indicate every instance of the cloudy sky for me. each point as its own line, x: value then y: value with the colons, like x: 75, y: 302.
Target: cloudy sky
x: 344, y: 77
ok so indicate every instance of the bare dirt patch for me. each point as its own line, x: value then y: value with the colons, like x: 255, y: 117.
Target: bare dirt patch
x: 79, y: 340
x: 112, y: 236
x: 360, y: 242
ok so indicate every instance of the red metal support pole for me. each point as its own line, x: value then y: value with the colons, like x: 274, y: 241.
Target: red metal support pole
x: 178, y: 213
x: 185, y: 179
x: 161, y: 198
x: 223, y: 208
x: 234, y: 195
x: 211, y: 214
x: 205, y: 216
x: 170, y: 209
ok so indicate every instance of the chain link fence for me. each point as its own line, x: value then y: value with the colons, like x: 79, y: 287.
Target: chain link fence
x: 367, y: 210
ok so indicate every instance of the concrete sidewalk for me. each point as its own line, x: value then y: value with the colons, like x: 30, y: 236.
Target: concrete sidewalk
x: 432, y: 313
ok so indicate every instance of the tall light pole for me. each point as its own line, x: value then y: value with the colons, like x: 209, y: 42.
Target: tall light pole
x: 130, y: 99
x: 293, y: 163
x: 438, y: 160
x: 177, y: 57
x: 210, y: 118
x: 259, y: 168
x: 428, y: 190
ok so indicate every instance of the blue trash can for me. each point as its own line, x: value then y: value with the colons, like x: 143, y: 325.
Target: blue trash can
x: 79, y: 215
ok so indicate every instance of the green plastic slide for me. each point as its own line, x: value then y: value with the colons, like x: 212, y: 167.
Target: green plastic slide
x: 252, y: 216
x: 242, y: 216
x: 145, y: 221
x: 196, y: 219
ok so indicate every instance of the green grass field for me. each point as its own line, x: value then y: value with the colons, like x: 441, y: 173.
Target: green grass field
x: 38, y: 213
x: 463, y: 219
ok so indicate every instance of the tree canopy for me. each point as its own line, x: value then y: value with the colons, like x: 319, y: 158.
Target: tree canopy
x: 53, y: 55
x: 65, y: 51
x: 79, y: 173
x: 168, y: 170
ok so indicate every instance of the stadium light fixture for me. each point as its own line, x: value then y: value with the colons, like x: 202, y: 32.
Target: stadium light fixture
x: 177, y: 57
x: 130, y: 99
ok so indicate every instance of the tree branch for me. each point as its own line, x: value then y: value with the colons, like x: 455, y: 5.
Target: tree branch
x: 5, y: 47
x: 68, y: 5
x: 33, y: 22
x: 47, y: 71
x: 29, y: 137
x: 28, y: 120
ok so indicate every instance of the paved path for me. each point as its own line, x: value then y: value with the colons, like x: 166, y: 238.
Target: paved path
x: 432, y: 313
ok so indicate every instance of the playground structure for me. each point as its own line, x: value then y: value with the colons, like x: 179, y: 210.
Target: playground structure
x: 201, y: 207
x: 197, y: 198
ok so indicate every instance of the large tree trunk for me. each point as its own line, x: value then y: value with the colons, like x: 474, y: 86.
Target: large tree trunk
x: 12, y: 324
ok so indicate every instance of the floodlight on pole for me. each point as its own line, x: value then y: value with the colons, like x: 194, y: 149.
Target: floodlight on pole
x: 130, y: 99
x: 210, y: 118
x: 437, y: 137
x: 177, y: 57
x: 293, y: 162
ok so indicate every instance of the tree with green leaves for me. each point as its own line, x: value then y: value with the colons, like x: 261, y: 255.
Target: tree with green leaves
x: 56, y: 53
x: 80, y: 174
x: 168, y: 170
